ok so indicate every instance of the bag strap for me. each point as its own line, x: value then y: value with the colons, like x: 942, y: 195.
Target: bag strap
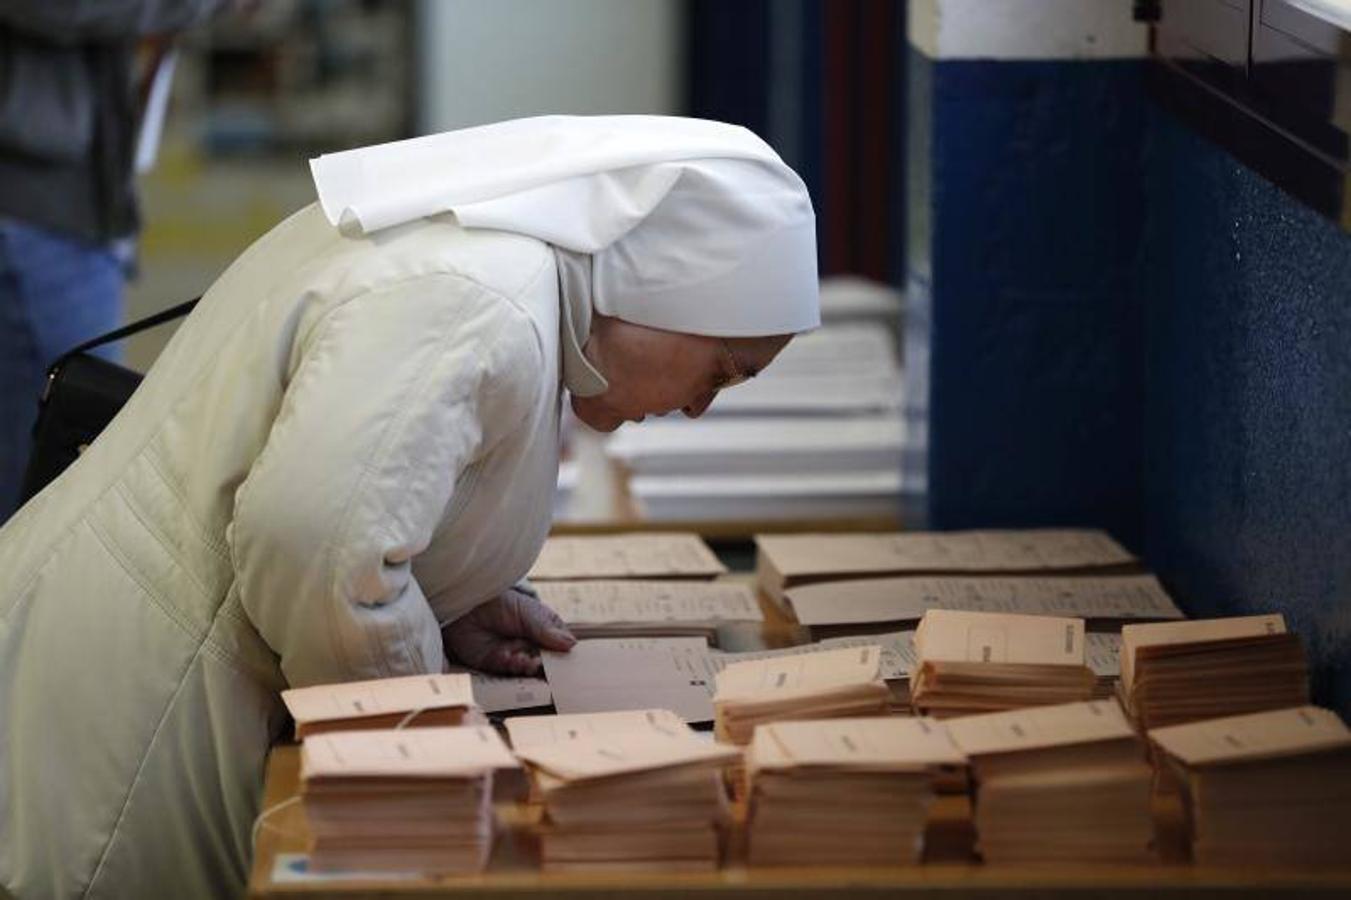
x: 151, y: 321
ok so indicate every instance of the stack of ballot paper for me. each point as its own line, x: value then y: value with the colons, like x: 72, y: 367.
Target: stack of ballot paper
x: 830, y: 684
x: 1059, y: 783
x: 413, y: 700
x: 619, y: 608
x: 759, y: 446
x: 844, y: 493
x: 786, y: 560
x: 416, y: 800
x: 1173, y: 672
x: 630, y: 800
x: 651, y: 555
x: 1268, y: 787
x: 971, y: 662
x: 535, y: 731
x: 855, y: 606
x: 844, y: 791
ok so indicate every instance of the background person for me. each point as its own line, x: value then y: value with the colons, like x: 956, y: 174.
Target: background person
x: 68, y: 125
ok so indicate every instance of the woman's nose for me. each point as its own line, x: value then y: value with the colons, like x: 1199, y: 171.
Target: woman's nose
x: 696, y: 409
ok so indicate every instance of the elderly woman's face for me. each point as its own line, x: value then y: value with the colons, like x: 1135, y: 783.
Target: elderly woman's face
x: 653, y: 372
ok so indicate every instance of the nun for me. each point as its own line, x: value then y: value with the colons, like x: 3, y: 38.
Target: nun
x: 342, y: 465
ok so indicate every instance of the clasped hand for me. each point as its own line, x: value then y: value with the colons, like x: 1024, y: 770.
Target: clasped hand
x: 505, y: 635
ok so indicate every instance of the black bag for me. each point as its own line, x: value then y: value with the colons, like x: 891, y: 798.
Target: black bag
x: 82, y: 395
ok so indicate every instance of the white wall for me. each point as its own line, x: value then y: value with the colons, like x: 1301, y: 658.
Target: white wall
x: 1026, y: 29
x: 486, y: 60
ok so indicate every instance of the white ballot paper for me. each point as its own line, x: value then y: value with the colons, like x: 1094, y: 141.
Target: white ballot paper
x: 499, y: 693
x: 598, y: 603
x: 650, y: 555
x: 905, y: 599
x: 609, y: 674
x: 1102, y: 654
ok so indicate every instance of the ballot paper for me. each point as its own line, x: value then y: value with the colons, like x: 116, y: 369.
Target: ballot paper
x: 630, y: 799
x: 624, y: 753
x: 1175, y: 672
x: 1257, y: 736
x: 843, y: 791
x: 972, y: 662
x: 1264, y: 788
x: 443, y: 699
x: 865, y: 745
x: 405, y: 753
x: 647, y: 555
x: 649, y: 608
x: 784, y: 561
x: 905, y: 599
x: 1067, y: 782
x: 898, y: 652
x: 503, y: 693
x: 946, y: 635
x: 1102, y: 653
x: 402, y: 800
x: 532, y: 731
x: 1040, y: 727
x: 609, y: 674
x: 839, y: 682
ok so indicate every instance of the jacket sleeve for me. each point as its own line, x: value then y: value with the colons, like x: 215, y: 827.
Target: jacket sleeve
x: 75, y: 21
x: 395, y: 394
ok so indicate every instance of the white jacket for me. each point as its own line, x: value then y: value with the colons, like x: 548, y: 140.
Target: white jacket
x: 348, y: 441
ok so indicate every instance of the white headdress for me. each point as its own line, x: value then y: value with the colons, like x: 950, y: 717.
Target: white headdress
x: 680, y: 224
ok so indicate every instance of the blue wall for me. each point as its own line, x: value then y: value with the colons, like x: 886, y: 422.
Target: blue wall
x: 1021, y: 282
x: 1112, y: 323
x: 1248, y: 398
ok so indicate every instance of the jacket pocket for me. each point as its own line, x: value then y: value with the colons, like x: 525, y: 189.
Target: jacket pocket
x: 46, y: 99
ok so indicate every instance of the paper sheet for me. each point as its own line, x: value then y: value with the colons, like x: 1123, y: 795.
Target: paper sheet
x: 531, y: 731
x: 607, y: 602
x: 946, y: 635
x: 905, y: 599
x: 650, y: 555
x: 1040, y: 726
x: 378, y: 697
x: 624, y: 752
x: 412, y: 752
x: 1102, y: 654
x: 495, y: 693
x: 874, y: 743
x: 956, y: 551
x: 788, y: 676
x: 609, y: 674
x: 1265, y: 735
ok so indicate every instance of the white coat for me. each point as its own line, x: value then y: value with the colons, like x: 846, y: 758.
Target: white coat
x: 349, y: 440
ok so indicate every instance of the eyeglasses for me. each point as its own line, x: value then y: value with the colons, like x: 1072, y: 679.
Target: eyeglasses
x: 739, y: 373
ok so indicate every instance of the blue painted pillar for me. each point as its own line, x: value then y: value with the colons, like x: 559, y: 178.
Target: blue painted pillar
x: 1024, y: 340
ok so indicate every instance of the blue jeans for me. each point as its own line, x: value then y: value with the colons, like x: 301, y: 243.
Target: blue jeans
x: 55, y: 291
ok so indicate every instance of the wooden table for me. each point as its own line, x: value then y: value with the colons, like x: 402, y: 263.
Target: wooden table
x: 948, y: 872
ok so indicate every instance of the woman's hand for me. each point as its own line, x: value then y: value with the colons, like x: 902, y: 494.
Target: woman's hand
x: 505, y: 635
